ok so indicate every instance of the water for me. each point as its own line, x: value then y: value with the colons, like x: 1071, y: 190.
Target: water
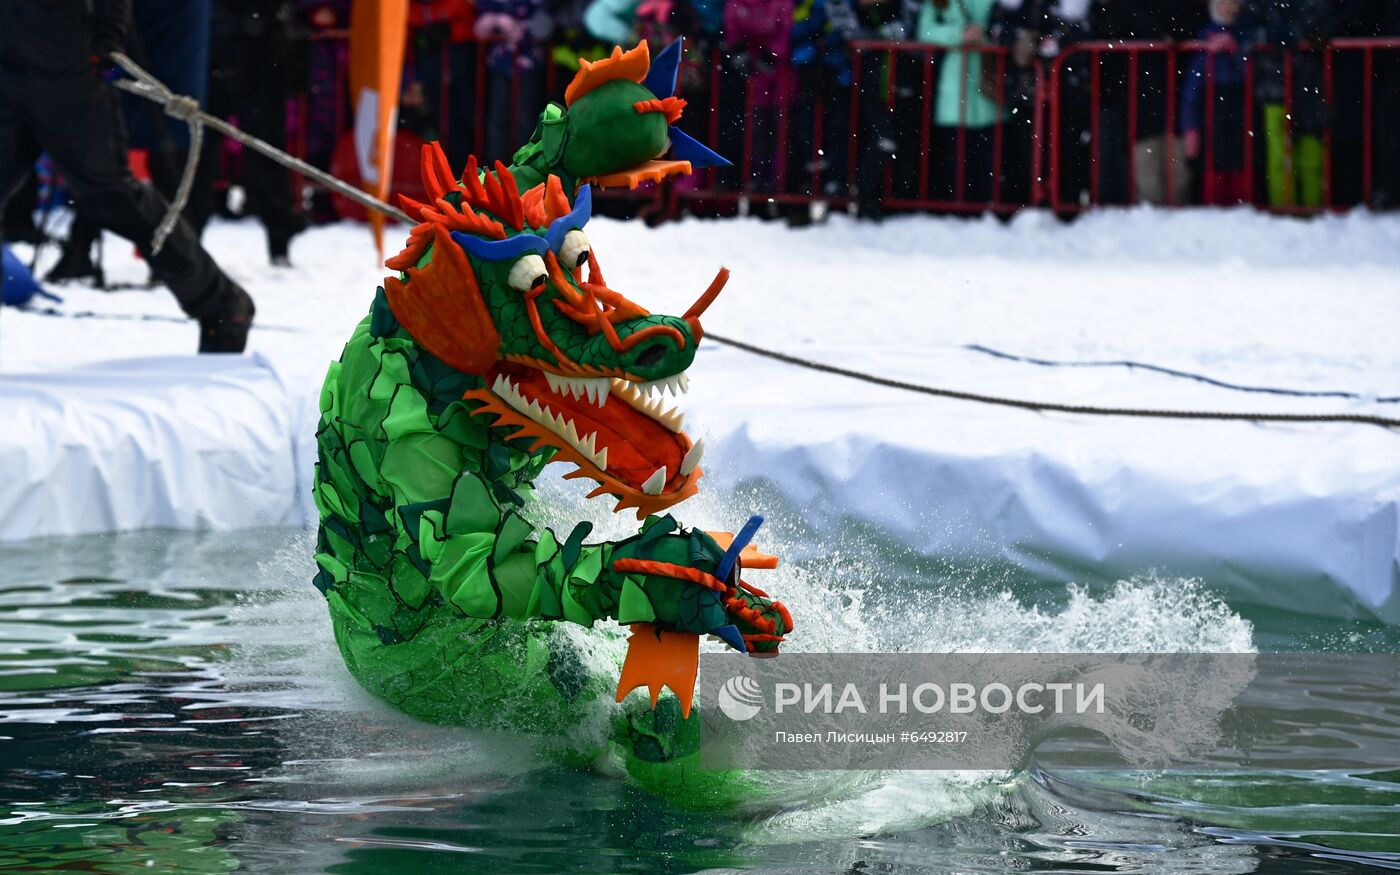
x: 174, y: 701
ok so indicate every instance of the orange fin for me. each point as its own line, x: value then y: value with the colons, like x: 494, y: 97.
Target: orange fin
x: 657, y: 658
x: 749, y: 557
x: 631, y: 65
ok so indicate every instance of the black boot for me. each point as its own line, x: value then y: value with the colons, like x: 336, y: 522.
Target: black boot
x: 74, y: 264
x: 22, y: 232
x: 228, y: 330
x: 279, y: 252
x: 279, y: 239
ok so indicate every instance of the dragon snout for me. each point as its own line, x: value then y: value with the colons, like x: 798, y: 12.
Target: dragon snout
x: 663, y: 353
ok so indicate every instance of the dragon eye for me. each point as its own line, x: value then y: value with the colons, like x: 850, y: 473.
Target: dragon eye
x: 573, y: 252
x: 527, y: 274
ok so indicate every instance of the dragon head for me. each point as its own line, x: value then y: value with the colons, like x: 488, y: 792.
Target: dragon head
x: 617, y: 121
x: 506, y: 286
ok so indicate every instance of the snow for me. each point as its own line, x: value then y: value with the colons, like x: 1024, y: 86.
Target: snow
x: 190, y: 442
x: 1233, y: 294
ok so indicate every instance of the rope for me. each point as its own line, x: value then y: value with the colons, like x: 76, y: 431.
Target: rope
x: 186, y: 109
x: 1047, y: 407
x: 1172, y: 372
x: 182, y: 108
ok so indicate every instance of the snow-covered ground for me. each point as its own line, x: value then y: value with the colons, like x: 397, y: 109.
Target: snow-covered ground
x: 1234, y: 295
x: 1308, y: 304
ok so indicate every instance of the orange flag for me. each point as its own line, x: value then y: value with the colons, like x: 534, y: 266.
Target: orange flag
x: 378, y: 32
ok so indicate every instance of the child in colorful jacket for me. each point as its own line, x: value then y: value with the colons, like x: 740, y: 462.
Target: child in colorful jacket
x: 1212, y: 103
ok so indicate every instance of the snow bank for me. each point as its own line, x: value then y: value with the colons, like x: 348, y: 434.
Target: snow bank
x: 1307, y: 514
x: 192, y: 442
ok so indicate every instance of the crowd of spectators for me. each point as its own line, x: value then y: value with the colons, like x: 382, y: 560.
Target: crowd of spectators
x: 959, y: 125
x: 963, y: 124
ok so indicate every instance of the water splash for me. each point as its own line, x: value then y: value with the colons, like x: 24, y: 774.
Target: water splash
x: 861, y: 595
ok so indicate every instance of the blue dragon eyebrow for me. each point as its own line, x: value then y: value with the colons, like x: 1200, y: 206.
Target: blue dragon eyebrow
x: 501, y: 250
x: 577, y: 218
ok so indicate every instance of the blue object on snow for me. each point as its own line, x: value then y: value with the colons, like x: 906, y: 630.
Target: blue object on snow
x: 17, y: 284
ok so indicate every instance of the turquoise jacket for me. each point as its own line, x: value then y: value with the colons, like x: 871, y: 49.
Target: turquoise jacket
x: 611, y: 20
x: 960, y: 100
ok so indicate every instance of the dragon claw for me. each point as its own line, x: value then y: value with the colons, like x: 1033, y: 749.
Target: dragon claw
x: 658, y: 658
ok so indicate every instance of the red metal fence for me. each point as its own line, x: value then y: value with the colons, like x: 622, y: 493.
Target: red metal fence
x: 1242, y: 114
x: 969, y: 129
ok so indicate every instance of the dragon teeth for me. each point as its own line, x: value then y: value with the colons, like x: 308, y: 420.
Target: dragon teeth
x: 594, y: 388
x: 645, y: 397
x: 555, y: 422
x: 639, y: 396
x: 672, y: 419
x: 598, y: 390
x: 676, y: 384
x: 692, y: 458
x: 656, y: 482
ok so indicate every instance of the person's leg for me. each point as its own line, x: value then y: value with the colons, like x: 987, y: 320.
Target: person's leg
x: 943, y: 163
x: 18, y: 148
x: 979, y: 165
x: 77, y: 119
x: 19, y: 224
x: 877, y: 145
x: 19, y: 210
x: 802, y: 152
x: 75, y: 259
x: 1309, y: 158
x: 262, y: 107
x: 1237, y: 193
x: 1018, y: 144
x: 1149, y: 177
x: 909, y: 107
x: 1278, y: 170
x: 1231, y: 137
x: 1113, y: 154
x: 1074, y: 140
x: 1181, y: 181
x: 836, y: 132
x: 1015, y: 170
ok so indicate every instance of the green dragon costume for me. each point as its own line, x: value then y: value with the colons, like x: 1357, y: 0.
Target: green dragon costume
x: 496, y: 350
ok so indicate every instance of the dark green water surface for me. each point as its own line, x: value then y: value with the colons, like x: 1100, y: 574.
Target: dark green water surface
x: 174, y: 702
